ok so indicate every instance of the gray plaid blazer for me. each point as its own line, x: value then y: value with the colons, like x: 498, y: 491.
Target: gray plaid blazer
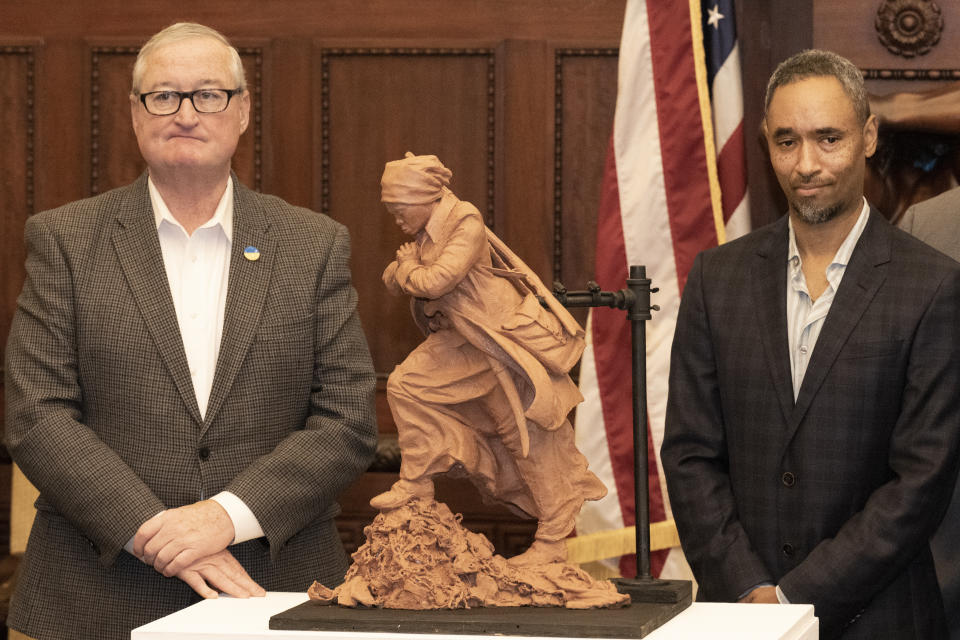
x: 102, y: 417
x: 833, y: 497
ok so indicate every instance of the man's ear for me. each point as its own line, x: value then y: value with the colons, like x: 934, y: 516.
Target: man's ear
x: 244, y: 110
x: 870, y: 135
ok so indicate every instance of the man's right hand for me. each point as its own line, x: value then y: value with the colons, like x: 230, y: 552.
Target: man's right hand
x: 220, y: 572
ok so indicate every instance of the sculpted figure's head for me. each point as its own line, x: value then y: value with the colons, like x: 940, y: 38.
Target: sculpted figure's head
x: 410, y: 189
x: 820, y: 132
x: 189, y: 102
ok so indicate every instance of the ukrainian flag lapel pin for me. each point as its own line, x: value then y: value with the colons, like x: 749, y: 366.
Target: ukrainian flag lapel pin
x: 251, y: 253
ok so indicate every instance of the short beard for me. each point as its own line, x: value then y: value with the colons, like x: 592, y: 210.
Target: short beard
x: 812, y: 214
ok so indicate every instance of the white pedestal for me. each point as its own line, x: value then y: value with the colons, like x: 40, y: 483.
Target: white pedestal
x: 233, y: 619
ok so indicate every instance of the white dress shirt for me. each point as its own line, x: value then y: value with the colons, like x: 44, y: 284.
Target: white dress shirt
x: 198, y: 266
x: 805, y: 317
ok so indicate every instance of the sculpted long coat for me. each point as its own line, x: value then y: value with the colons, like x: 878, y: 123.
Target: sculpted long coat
x: 834, y: 496
x: 102, y: 417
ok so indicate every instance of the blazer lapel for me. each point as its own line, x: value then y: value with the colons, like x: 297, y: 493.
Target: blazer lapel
x: 860, y: 283
x: 770, y: 304
x: 138, y: 250
x: 247, y: 286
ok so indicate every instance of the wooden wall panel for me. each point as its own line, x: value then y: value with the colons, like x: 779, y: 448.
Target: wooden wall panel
x: 17, y: 165
x: 585, y: 100
x: 114, y: 156
x: 849, y: 28
x: 339, y: 88
x: 377, y: 104
x: 17, y: 95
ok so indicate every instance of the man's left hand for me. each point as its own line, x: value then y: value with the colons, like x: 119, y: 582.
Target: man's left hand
x: 762, y: 595
x: 175, y: 539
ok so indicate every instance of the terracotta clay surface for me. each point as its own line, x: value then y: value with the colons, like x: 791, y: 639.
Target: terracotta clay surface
x: 418, y: 556
x: 486, y: 396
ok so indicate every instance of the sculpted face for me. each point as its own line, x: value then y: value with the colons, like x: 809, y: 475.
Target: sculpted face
x: 187, y: 139
x: 818, y: 149
x: 411, y: 218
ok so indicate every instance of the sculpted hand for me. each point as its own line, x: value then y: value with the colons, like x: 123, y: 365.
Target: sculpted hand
x: 407, y: 251
x: 220, y: 572
x: 762, y: 595
x: 173, y: 540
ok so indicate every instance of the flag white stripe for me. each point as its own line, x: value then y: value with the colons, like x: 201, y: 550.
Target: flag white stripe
x: 727, y: 99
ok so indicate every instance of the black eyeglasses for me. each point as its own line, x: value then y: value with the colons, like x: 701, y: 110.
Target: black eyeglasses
x: 167, y: 102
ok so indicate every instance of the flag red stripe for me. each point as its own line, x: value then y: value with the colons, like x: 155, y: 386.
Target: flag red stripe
x: 686, y: 180
x: 732, y: 172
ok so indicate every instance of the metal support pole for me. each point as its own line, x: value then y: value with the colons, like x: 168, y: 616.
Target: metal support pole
x: 639, y: 312
x: 635, y: 299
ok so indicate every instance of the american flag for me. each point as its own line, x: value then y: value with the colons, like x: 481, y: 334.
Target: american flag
x: 674, y: 184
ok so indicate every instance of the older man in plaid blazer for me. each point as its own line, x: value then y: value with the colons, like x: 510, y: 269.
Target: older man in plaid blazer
x: 188, y: 385
x: 813, y: 419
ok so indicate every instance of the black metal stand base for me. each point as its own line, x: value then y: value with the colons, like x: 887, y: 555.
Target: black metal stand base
x: 655, y: 590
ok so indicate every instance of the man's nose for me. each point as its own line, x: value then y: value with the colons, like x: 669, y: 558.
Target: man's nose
x: 808, y: 159
x: 187, y: 115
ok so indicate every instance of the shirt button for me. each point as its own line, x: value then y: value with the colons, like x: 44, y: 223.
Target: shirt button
x: 788, y: 479
x: 203, y: 453
x: 787, y: 550
x: 803, y: 348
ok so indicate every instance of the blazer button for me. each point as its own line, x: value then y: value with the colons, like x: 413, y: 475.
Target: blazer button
x: 203, y: 452
x: 788, y: 550
x: 788, y: 479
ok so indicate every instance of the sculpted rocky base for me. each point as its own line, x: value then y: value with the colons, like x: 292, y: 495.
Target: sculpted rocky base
x: 418, y: 556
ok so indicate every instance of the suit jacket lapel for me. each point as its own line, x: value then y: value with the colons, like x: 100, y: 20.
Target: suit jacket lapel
x: 861, y: 280
x: 138, y: 250
x: 248, y: 283
x: 770, y: 304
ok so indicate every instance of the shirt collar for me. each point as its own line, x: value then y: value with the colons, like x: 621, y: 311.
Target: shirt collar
x: 223, y: 215
x: 842, y: 257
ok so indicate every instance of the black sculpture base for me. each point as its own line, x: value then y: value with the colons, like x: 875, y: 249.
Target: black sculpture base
x: 635, y: 621
x: 655, y: 590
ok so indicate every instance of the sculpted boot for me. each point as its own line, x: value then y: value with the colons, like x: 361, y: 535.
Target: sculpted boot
x: 541, y: 552
x: 401, y: 492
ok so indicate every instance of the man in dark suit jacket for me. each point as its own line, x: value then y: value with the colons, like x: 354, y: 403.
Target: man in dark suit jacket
x: 813, y: 419
x: 187, y: 378
x: 937, y: 222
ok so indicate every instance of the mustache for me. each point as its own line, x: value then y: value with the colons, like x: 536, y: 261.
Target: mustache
x: 806, y: 184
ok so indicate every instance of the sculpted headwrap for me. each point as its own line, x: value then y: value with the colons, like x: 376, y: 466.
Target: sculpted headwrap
x: 414, y: 180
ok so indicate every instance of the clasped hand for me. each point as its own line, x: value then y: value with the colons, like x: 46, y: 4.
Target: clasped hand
x: 190, y: 542
x: 761, y: 595
x: 407, y: 251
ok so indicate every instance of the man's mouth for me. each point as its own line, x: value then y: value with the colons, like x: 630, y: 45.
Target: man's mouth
x: 806, y: 190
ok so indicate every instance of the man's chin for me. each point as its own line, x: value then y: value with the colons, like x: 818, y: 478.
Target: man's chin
x: 812, y: 212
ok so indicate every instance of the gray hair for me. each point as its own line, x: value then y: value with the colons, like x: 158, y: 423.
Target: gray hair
x: 186, y: 31
x: 814, y: 63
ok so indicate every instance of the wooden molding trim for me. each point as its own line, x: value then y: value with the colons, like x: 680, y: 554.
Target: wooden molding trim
x: 911, y: 74
x: 96, y: 53
x: 559, y: 56
x: 909, y: 28
x: 327, y: 54
x: 29, y: 54
x: 255, y: 86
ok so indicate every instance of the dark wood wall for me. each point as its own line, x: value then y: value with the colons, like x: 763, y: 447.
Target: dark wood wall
x: 515, y: 96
